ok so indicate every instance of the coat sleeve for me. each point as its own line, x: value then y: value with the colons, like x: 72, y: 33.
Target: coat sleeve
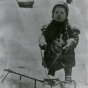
x: 75, y: 35
x: 46, y: 33
x: 43, y: 29
x: 42, y: 40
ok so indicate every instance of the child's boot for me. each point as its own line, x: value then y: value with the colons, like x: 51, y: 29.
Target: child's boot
x: 69, y: 83
x: 68, y: 80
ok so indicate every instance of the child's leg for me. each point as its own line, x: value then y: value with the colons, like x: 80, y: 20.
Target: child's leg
x: 51, y: 72
x: 68, y: 74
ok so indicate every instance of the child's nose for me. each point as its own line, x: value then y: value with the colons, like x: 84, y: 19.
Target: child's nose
x: 59, y: 14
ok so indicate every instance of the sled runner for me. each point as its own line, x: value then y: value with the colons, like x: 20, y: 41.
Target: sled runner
x: 51, y: 82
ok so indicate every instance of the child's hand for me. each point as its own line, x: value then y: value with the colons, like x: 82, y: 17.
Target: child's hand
x: 70, y: 43
x: 42, y: 42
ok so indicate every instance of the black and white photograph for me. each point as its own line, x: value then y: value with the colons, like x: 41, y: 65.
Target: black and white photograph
x: 43, y: 44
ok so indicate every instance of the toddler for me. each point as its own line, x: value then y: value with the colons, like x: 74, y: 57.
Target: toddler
x: 59, y: 39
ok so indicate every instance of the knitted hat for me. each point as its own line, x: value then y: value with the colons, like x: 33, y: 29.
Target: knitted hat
x: 61, y: 4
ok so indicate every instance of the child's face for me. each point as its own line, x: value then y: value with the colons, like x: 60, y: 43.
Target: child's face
x: 59, y: 14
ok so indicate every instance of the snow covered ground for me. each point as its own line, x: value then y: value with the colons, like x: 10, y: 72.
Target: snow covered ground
x: 19, y: 33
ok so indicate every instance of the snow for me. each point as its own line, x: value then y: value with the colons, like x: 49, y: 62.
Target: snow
x: 19, y: 50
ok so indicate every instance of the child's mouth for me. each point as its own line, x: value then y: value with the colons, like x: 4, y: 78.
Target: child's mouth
x: 58, y: 18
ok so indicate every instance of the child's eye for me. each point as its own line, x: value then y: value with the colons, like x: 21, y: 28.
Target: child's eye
x: 56, y: 12
x: 62, y: 13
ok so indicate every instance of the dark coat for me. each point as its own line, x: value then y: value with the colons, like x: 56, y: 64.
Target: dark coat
x: 53, y: 31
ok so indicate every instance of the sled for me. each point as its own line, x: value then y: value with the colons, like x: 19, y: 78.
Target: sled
x: 51, y: 82
x: 25, y: 4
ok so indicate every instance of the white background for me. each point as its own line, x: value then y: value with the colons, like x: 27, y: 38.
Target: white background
x: 20, y: 29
